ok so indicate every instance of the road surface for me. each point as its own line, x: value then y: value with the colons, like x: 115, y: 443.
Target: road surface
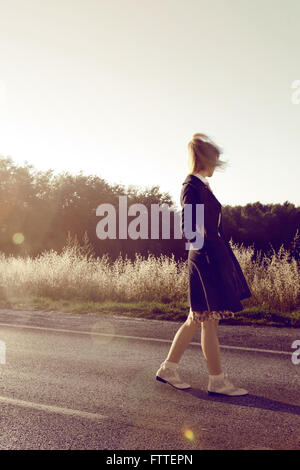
x: 71, y: 381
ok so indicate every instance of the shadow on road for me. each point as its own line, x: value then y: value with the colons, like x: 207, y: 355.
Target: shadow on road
x: 250, y: 401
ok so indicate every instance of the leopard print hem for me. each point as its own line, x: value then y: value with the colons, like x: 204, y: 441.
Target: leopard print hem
x: 207, y: 315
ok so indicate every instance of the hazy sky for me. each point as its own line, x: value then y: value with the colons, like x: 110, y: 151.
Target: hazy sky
x: 117, y: 88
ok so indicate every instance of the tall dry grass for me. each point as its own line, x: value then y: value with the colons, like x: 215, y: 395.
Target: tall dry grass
x: 75, y: 274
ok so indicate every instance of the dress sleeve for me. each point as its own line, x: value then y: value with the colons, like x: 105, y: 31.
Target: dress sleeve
x: 189, y: 195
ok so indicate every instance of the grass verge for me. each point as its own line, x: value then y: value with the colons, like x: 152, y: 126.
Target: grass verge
x: 172, y: 311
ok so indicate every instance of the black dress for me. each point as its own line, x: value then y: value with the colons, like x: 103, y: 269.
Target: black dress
x: 216, y: 281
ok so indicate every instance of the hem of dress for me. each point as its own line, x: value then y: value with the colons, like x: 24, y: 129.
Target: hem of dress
x: 203, y: 315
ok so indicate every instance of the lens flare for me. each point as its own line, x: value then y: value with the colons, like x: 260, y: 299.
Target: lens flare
x: 18, y: 238
x: 102, y: 332
x: 188, y: 433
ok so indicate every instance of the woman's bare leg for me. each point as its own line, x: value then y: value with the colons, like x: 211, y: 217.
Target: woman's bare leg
x: 182, y: 339
x: 209, y: 343
x: 210, y: 346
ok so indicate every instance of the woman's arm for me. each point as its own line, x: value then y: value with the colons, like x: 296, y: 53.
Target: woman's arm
x: 190, y: 195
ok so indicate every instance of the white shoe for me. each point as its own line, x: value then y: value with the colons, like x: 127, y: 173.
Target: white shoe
x: 170, y: 376
x: 224, y: 387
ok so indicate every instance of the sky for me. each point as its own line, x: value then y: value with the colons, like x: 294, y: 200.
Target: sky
x: 117, y: 89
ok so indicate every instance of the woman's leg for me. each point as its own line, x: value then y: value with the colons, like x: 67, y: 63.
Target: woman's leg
x: 210, y: 346
x: 182, y: 339
x: 209, y: 343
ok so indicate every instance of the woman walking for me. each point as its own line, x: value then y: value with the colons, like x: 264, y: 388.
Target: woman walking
x: 216, y: 281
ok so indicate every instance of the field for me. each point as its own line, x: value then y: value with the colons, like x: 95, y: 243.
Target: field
x: 156, y: 288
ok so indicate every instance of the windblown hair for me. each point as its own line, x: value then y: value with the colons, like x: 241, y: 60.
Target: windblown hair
x: 203, y: 153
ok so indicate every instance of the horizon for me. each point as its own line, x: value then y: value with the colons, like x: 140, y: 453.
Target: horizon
x: 119, y: 90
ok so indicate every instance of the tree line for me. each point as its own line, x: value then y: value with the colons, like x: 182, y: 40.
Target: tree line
x: 40, y: 211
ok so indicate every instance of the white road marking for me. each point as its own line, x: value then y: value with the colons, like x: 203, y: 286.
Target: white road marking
x: 51, y: 408
x: 93, y: 333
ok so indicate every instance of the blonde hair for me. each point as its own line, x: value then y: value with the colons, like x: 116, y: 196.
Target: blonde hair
x: 203, y: 153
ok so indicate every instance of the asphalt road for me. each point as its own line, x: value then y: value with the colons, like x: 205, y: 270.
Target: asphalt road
x: 72, y: 381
